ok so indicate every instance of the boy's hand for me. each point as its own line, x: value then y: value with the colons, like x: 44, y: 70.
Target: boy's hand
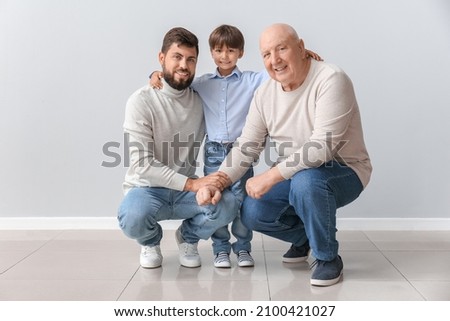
x: 313, y: 55
x: 208, y: 195
x: 155, y: 80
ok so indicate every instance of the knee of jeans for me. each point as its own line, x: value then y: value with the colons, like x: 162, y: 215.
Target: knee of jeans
x: 131, y: 223
x: 306, y: 185
x: 228, y: 207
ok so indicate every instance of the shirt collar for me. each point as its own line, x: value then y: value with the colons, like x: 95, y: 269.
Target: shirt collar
x: 235, y: 73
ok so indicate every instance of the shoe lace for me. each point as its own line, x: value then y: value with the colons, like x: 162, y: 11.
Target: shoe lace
x: 190, y: 249
x: 222, y: 256
x: 146, y: 250
x: 244, y: 256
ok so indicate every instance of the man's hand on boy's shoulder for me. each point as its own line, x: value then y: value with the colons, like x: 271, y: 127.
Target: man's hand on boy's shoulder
x: 313, y: 55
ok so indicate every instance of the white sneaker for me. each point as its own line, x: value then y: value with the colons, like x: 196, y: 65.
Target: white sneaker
x: 222, y: 260
x: 151, y: 257
x: 189, y: 256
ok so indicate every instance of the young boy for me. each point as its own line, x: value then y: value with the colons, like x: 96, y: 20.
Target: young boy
x: 226, y: 96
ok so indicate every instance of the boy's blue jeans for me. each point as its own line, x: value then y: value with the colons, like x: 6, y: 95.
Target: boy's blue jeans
x: 214, y: 154
x: 143, y: 207
x: 304, y: 208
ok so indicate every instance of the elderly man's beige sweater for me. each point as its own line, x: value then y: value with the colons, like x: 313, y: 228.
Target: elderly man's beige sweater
x: 311, y: 125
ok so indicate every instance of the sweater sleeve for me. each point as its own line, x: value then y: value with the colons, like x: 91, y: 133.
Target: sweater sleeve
x: 335, y: 106
x: 144, y: 167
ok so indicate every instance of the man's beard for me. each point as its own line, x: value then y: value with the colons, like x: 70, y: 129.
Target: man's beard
x: 177, y: 84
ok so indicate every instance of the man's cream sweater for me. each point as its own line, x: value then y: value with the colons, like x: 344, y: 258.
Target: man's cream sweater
x: 165, y: 128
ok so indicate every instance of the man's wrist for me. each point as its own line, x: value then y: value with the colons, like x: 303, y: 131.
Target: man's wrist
x: 188, y: 185
x: 275, y: 175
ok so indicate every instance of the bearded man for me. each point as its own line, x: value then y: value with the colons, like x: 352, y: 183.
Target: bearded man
x: 165, y: 129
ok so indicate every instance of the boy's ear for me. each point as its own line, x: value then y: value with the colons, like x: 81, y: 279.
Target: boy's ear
x: 241, y: 53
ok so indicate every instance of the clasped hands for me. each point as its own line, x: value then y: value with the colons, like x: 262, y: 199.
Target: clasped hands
x: 256, y: 186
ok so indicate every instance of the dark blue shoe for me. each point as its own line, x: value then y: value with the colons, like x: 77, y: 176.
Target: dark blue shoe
x: 327, y: 272
x: 297, y: 254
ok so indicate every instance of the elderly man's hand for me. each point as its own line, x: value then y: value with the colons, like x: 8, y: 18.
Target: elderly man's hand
x: 260, y: 184
x: 208, y: 195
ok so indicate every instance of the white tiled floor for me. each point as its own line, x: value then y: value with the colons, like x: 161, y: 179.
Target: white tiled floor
x: 103, y: 265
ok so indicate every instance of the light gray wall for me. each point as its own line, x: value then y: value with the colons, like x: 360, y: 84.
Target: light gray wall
x: 68, y: 67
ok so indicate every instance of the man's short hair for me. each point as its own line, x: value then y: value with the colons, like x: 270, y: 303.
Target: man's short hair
x: 180, y: 36
x: 227, y: 35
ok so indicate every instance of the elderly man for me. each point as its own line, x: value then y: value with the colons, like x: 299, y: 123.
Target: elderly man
x: 309, y: 110
x: 166, y: 129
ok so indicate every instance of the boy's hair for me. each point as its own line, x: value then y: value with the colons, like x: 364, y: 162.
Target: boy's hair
x: 227, y: 35
x: 179, y: 36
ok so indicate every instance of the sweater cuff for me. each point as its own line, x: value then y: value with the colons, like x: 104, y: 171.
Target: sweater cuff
x: 232, y: 175
x: 178, y: 182
x: 285, y: 171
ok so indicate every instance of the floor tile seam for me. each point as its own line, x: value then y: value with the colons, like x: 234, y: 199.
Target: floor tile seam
x: 382, y: 252
x: 208, y: 280
x: 32, y: 239
x: 414, y: 250
x: 263, y: 245
x: 403, y: 275
x: 417, y: 290
x: 47, y: 251
x: 415, y: 279
x: 383, y: 242
x: 128, y: 283
x: 430, y: 280
x: 375, y: 280
x: 349, y: 279
x: 31, y: 253
x: 62, y: 279
x: 371, y: 241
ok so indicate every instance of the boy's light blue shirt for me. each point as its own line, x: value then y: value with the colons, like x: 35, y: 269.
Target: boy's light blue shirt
x: 226, y: 101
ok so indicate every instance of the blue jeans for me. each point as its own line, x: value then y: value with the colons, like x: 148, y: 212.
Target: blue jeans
x: 143, y: 207
x: 304, y: 208
x: 214, y: 154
